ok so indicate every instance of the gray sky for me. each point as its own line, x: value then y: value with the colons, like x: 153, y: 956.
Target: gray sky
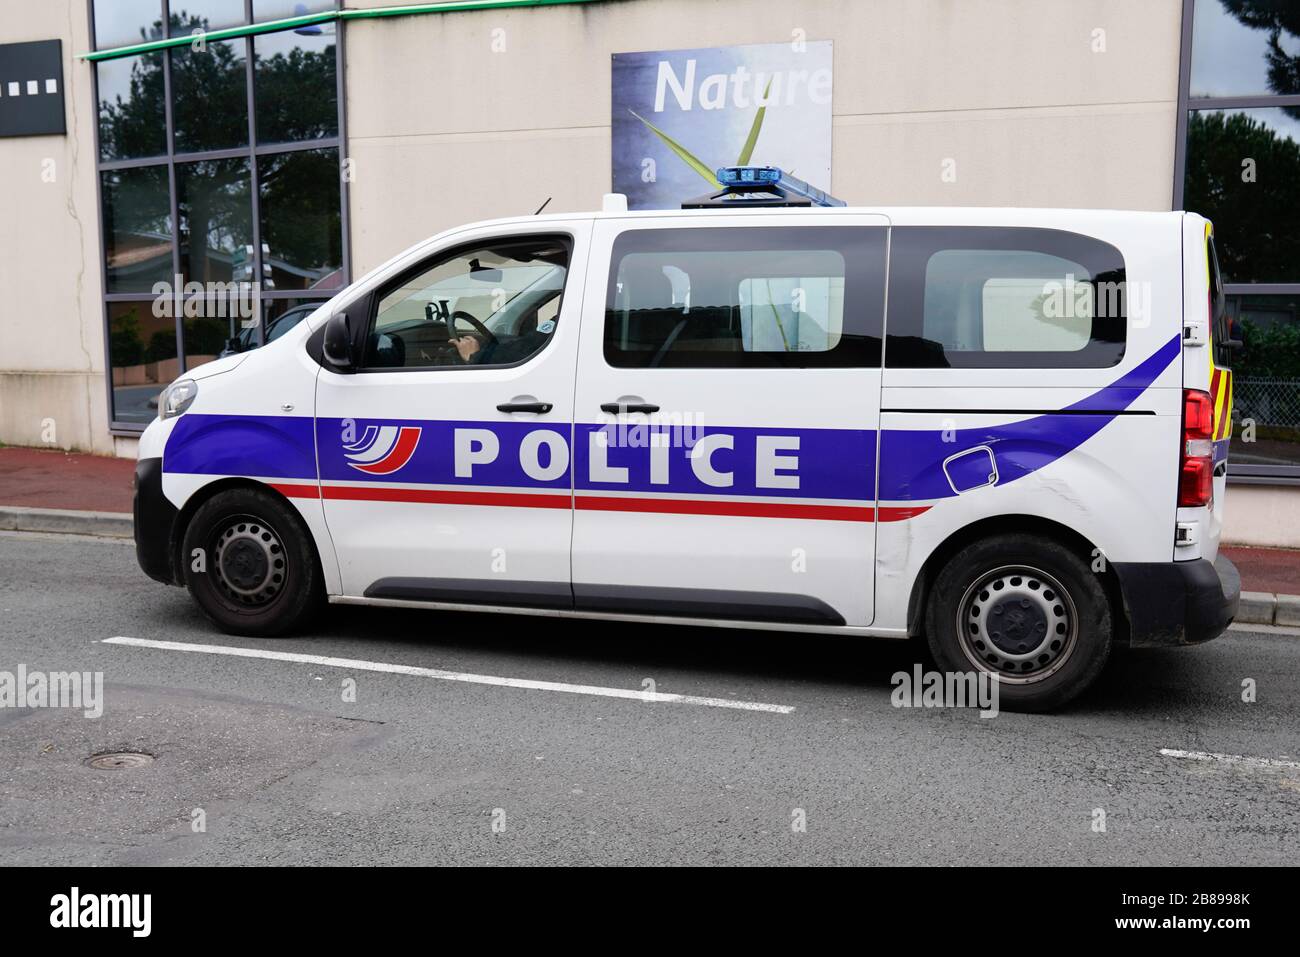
x: 1228, y: 57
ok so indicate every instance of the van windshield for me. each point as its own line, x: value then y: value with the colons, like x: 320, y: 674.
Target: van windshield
x: 499, y: 302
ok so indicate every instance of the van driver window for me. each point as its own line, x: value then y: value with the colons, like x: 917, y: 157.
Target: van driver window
x: 491, y: 305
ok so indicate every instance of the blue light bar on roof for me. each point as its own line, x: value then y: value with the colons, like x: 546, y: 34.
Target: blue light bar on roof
x: 735, y: 178
x: 746, y: 175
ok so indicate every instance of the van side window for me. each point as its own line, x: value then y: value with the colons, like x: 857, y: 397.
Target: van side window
x: 1004, y: 298
x: 492, y: 304
x: 746, y: 297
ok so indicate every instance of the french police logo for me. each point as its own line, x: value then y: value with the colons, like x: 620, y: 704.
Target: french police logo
x: 383, y: 449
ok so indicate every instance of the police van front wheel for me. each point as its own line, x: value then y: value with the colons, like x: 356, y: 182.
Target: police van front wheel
x: 1026, y: 609
x: 251, y: 565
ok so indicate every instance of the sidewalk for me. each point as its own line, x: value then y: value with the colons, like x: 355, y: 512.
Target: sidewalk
x: 1270, y: 584
x: 47, y: 490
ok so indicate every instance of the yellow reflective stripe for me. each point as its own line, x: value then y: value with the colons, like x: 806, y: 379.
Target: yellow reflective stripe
x: 1220, y: 394
x: 1227, y: 388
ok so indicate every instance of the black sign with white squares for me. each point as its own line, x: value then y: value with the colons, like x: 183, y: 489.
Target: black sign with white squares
x: 31, y: 88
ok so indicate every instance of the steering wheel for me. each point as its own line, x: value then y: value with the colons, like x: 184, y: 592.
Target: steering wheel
x: 481, y: 329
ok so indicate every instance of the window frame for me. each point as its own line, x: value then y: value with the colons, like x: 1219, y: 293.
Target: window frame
x: 854, y: 243
x: 1237, y: 474
x: 368, y: 305
x: 171, y: 159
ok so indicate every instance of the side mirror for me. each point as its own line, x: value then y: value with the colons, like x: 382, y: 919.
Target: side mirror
x: 337, y: 347
x: 234, y: 345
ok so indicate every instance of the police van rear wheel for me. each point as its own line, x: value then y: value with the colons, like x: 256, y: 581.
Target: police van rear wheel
x: 1026, y: 609
x: 251, y: 565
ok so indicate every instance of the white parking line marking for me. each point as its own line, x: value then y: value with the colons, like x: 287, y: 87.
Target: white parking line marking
x: 1229, y: 758
x: 354, y: 664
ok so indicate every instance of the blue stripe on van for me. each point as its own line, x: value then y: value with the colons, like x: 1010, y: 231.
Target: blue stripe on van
x: 834, y: 464
x: 267, y: 446
x: 911, y: 461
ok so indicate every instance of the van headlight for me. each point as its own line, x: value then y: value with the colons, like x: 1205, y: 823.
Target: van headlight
x: 177, y: 397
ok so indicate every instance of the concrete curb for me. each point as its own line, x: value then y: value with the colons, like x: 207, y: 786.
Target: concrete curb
x: 17, y: 518
x: 1257, y: 608
x: 1288, y: 611
x: 1265, y: 608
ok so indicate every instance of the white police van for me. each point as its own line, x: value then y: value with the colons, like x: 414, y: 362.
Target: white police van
x: 1005, y: 430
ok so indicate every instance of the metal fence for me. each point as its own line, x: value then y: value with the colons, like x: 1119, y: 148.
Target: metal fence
x: 1267, y: 401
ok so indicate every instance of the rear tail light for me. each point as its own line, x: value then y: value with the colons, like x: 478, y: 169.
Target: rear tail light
x: 1196, y: 468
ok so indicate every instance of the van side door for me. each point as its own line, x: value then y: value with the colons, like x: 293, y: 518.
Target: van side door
x: 1031, y: 376
x: 725, y: 417
x: 444, y: 458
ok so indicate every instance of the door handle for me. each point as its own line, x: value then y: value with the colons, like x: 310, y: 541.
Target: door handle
x: 539, y: 408
x: 616, y: 408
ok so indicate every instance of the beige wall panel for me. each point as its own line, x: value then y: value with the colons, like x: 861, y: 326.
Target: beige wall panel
x: 1262, y: 515
x: 1115, y: 156
x: 409, y: 188
x: 54, y: 410
x: 49, y: 255
x: 892, y: 55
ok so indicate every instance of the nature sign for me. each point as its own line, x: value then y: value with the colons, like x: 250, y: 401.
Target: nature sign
x: 679, y: 115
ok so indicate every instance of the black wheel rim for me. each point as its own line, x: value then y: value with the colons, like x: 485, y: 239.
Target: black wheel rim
x: 1017, y: 622
x: 248, y: 561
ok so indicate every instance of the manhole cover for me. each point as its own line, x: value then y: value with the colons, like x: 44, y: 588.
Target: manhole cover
x: 119, y: 761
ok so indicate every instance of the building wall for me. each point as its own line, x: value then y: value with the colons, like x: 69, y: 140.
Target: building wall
x: 51, y: 330
x: 1262, y: 515
x: 1012, y: 90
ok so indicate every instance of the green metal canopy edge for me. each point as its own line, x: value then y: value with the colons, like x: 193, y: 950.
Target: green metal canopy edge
x: 292, y: 23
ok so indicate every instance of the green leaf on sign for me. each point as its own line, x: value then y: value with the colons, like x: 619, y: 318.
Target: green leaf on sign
x: 748, y: 150
x: 687, y: 157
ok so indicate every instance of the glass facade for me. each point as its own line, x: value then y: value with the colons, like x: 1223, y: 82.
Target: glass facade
x: 132, y: 117
x: 120, y: 23
x: 1266, y: 383
x: 219, y: 166
x: 1239, y: 160
x: 138, y: 231
x: 210, y: 97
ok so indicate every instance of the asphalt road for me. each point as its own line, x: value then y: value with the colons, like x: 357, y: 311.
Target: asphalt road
x: 280, y: 769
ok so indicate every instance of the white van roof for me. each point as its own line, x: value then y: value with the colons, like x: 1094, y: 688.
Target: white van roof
x: 911, y: 215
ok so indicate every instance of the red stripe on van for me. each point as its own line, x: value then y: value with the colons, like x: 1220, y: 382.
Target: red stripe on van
x: 677, y: 506
x: 296, y: 491
x: 602, y: 503
x: 425, y: 496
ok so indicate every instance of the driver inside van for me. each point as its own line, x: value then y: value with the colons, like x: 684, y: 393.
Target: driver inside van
x: 473, y: 350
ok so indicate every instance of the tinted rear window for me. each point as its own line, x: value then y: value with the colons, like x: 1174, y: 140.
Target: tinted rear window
x: 993, y: 297
x: 746, y: 297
